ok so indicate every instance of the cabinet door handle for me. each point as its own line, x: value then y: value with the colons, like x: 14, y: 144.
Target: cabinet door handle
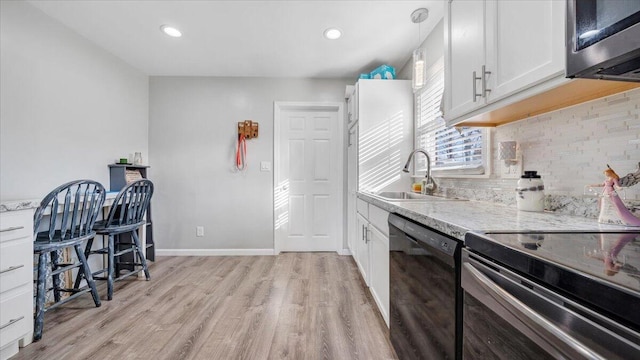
x: 363, y: 233
x: 12, y: 321
x: 11, y: 268
x: 475, y: 93
x: 484, y: 81
x: 12, y: 228
x: 368, y: 232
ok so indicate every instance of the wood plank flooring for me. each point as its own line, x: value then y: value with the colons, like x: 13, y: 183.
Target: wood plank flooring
x: 290, y: 306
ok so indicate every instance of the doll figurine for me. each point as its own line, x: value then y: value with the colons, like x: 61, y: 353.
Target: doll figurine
x: 610, y: 184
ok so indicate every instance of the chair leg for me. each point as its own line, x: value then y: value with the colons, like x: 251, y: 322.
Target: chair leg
x: 110, y: 268
x: 87, y: 252
x: 40, y: 296
x: 87, y: 275
x: 56, y: 278
x: 143, y: 261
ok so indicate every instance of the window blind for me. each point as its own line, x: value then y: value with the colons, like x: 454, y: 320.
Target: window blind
x: 456, y: 150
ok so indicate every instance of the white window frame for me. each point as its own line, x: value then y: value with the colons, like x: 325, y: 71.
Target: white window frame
x: 481, y: 171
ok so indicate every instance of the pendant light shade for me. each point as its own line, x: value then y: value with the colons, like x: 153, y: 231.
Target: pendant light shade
x: 419, y: 55
x: 419, y: 69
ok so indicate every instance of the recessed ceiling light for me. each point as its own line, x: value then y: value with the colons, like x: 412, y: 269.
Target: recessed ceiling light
x: 170, y: 30
x: 332, y: 33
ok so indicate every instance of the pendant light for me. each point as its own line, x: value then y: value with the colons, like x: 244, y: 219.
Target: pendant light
x: 419, y: 55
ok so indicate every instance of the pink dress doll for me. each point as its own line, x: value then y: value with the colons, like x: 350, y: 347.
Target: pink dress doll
x: 611, y: 182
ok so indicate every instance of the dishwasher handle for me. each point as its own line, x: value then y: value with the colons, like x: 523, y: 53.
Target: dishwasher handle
x: 516, y: 307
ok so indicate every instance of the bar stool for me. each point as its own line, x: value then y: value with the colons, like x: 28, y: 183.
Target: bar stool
x: 126, y: 216
x: 73, y: 208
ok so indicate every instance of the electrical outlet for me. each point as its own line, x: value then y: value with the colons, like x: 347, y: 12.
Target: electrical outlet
x: 199, y: 231
x: 511, y: 171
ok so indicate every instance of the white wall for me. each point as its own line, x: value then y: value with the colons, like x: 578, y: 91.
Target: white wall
x: 434, y: 43
x: 192, y: 139
x: 68, y: 107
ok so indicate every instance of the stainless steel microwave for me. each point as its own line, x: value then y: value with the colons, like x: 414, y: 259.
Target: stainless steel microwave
x: 603, y: 39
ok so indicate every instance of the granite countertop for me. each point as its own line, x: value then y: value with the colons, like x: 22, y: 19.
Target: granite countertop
x: 456, y: 217
x: 16, y: 205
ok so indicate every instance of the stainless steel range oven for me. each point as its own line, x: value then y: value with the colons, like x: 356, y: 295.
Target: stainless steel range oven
x: 551, y: 296
x: 424, y: 294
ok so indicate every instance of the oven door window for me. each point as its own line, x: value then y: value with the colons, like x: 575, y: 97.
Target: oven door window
x: 488, y: 336
x: 599, y: 19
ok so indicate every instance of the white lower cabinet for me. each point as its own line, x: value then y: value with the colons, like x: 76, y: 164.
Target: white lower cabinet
x: 372, y: 253
x: 16, y: 281
x: 379, y: 282
x: 362, y: 248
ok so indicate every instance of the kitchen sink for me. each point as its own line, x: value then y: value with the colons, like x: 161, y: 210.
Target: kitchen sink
x: 409, y: 196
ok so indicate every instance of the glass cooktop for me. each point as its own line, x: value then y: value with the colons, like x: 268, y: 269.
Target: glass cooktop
x: 601, y: 268
x: 613, y: 257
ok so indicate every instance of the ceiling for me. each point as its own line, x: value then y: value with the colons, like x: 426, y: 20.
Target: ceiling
x: 250, y: 38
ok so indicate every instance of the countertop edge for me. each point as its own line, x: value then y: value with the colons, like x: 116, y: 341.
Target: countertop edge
x: 455, y: 230
x: 17, y: 205
x: 456, y: 218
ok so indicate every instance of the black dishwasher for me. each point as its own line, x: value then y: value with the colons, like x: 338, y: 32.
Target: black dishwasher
x: 425, y: 297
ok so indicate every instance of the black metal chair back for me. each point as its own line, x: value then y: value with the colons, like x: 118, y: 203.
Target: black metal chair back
x: 73, y: 209
x: 130, y: 205
x: 75, y: 206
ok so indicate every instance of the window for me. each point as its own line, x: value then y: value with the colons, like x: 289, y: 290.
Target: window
x: 453, y: 150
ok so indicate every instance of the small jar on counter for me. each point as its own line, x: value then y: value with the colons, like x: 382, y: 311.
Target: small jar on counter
x: 530, y: 192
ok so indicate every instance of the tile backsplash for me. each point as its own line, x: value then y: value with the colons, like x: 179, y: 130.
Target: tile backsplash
x: 569, y: 148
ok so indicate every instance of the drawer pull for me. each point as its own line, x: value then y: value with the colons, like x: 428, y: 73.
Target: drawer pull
x: 12, y: 321
x: 12, y: 228
x: 11, y: 268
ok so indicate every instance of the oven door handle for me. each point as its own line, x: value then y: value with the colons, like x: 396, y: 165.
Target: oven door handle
x: 517, y: 307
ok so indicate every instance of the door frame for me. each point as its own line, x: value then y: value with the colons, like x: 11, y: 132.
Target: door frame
x: 338, y: 108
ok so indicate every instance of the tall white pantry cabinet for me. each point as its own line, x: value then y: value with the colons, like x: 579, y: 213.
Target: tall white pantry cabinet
x: 380, y: 138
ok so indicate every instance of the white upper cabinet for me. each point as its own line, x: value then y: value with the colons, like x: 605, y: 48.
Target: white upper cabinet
x: 525, y: 44
x: 464, y: 55
x: 494, y: 49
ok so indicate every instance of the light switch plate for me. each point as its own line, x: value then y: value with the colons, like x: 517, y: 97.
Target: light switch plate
x: 265, y: 166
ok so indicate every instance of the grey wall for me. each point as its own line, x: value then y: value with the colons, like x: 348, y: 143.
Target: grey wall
x: 67, y: 107
x: 434, y: 43
x: 192, y: 139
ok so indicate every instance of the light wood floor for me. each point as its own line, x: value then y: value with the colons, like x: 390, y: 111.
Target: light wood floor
x: 290, y: 306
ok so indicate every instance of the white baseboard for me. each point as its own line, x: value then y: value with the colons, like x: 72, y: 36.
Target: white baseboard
x: 214, y: 252
x: 345, y: 252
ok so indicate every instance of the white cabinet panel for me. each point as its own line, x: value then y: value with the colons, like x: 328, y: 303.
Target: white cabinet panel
x: 523, y: 50
x: 362, y: 248
x: 380, y: 219
x: 16, y: 317
x: 16, y: 258
x: 379, y: 283
x: 508, y: 52
x: 16, y: 281
x: 385, y: 134
x: 363, y: 208
x: 464, y: 55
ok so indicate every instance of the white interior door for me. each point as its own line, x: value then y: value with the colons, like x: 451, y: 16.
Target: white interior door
x: 308, y: 190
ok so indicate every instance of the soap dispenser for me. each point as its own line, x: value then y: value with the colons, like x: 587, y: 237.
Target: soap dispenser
x: 530, y: 192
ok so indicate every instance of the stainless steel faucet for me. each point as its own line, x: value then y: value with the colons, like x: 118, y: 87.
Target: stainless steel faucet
x: 431, y: 184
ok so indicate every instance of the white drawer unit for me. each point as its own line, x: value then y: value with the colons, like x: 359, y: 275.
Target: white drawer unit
x: 16, y: 281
